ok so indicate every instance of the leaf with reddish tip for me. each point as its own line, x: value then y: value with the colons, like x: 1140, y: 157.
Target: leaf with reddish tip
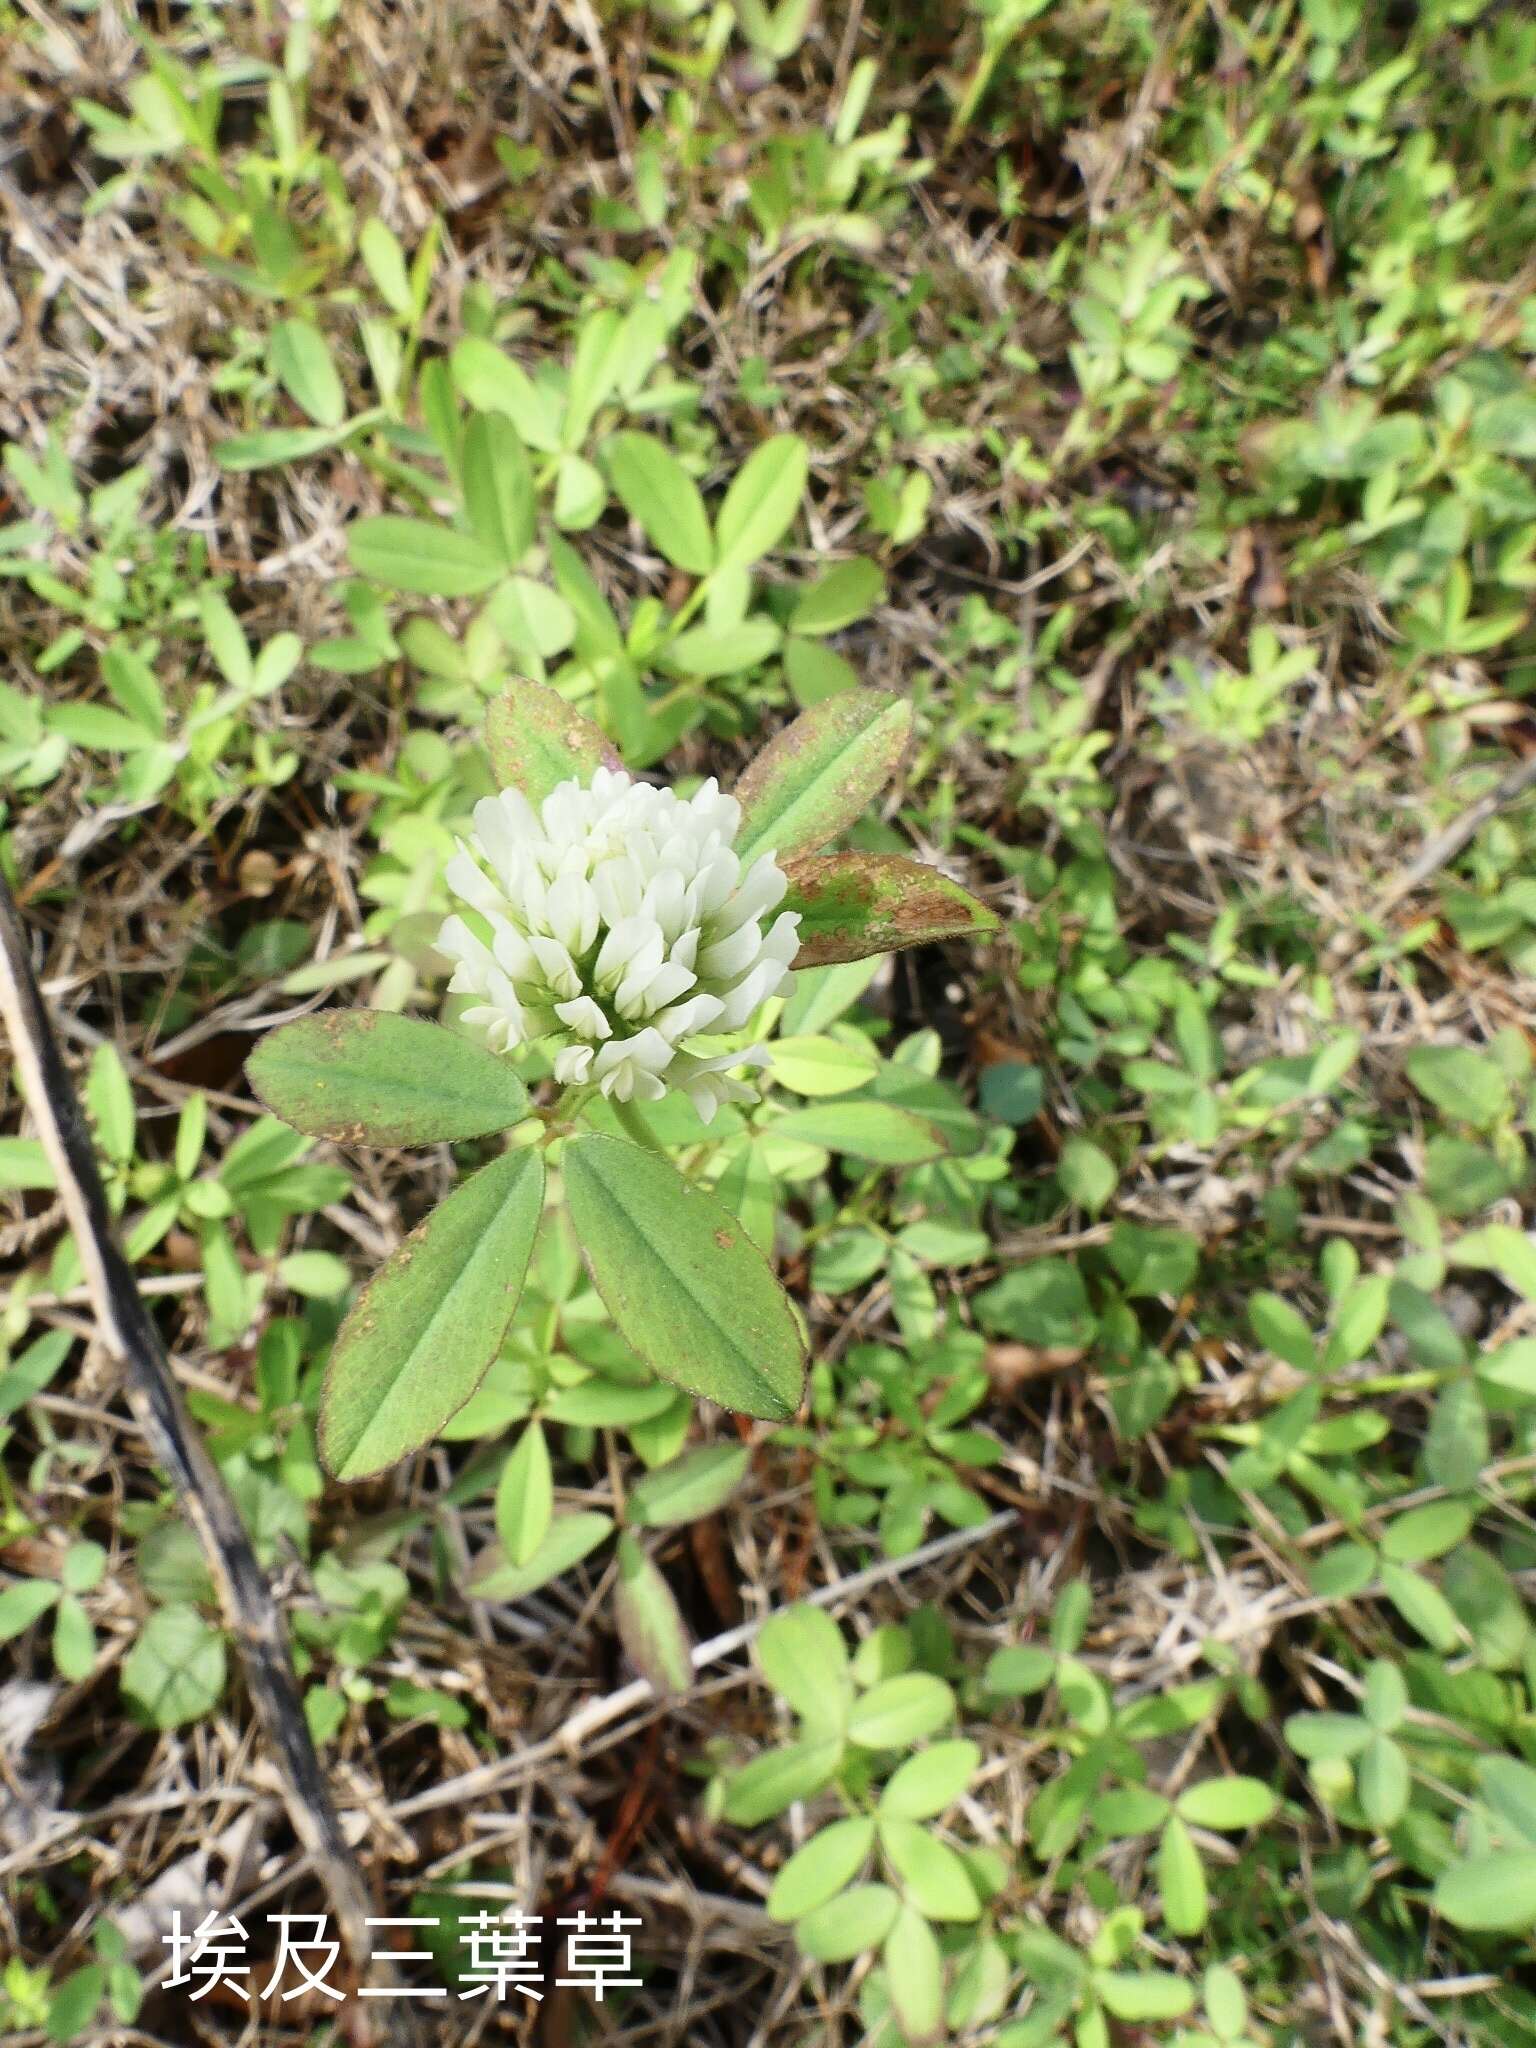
x: 821, y: 773
x: 536, y: 741
x: 854, y: 904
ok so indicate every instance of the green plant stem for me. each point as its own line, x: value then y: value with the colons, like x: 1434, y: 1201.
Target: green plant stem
x: 636, y: 1127
x: 570, y: 1102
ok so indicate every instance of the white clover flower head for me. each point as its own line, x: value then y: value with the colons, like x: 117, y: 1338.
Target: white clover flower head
x: 619, y: 923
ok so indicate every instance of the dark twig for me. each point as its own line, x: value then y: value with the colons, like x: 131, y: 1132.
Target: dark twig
x: 130, y: 1336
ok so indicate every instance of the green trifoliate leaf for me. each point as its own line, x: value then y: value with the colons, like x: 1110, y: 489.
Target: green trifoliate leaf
x: 1386, y: 1697
x: 769, y: 1783
x: 1226, y: 2003
x: 1087, y: 1174
x: 492, y: 382
x: 1422, y: 1605
x: 175, y: 1671
x: 1281, y: 1330
x: 901, y: 1710
x: 1144, y: 1994
x: 849, y: 1924
x: 1019, y: 1671
x: 804, y: 1658
x: 368, y: 1077
x: 693, y: 1485
x: 525, y: 1498
x: 1456, y: 1444
x: 821, y: 773
x: 600, y: 1403
x: 815, y: 672
x: 761, y: 504
x: 914, y: 1972
x: 819, y: 1870
x: 1491, y: 1894
x: 823, y: 1066
x: 1181, y: 1878
x: 1468, y: 1085
x: 568, y: 1540
x: 1323, y: 1737
x: 835, y: 600
x: 854, y: 904
x: 499, y: 491
x: 1509, y: 1787
x: 1227, y: 1803
x: 423, y: 557
x: 300, y: 360
x: 686, y: 1286
x: 84, y: 1567
x: 979, y: 1991
x: 74, y: 1640
x: 1129, y: 1810
x: 928, y: 1782
x: 425, y: 1329
x: 659, y: 494
x: 706, y: 652
x: 278, y: 445
x: 22, y: 1602
x: 1382, y: 1781
x: 24, y: 1164
x: 932, y: 1876
x: 882, y: 1132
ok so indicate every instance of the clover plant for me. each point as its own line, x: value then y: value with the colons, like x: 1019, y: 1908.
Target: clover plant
x: 619, y: 929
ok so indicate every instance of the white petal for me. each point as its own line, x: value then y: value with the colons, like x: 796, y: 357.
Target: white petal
x: 762, y: 889
x: 559, y: 968
x: 584, y: 1018
x: 646, y: 1049
x: 725, y: 959
x: 714, y: 812
x: 684, y: 1019
x: 514, y: 955
x: 629, y: 997
x: 573, y: 915
x: 623, y: 942
x: 670, y: 981
x: 665, y: 902
x: 456, y: 941
x: 474, y: 887
x: 717, y: 878
x: 503, y: 824
x: 783, y: 941
x: 689, y: 1064
x: 487, y: 1023
x: 742, y: 1001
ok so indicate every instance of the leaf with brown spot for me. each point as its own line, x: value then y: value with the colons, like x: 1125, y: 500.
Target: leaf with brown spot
x: 425, y: 1329
x: 537, y: 741
x: 852, y: 905
x: 688, y: 1290
x: 821, y: 773
x: 368, y: 1077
